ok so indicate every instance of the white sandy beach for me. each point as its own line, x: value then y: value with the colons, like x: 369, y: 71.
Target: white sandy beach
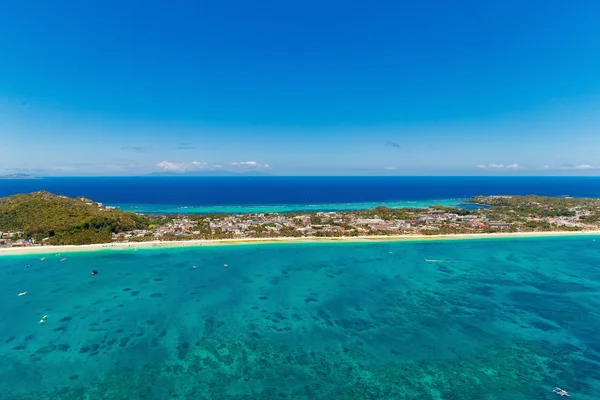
x: 219, y: 242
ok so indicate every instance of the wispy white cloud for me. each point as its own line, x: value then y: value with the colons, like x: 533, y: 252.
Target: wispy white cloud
x: 170, y: 166
x: 499, y: 166
x: 580, y: 167
x: 249, y: 164
x: 204, y: 166
x: 138, y: 149
x: 120, y: 166
x: 575, y: 168
x: 183, y: 166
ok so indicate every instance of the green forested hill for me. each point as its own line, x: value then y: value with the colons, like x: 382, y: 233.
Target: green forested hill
x: 64, y: 220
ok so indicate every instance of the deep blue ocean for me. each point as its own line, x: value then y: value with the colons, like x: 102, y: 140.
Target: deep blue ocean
x: 231, y: 194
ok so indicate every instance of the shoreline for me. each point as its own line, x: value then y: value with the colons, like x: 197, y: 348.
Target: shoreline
x: 309, y: 239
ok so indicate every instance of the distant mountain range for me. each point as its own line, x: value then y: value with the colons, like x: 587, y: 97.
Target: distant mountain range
x: 210, y: 173
x: 18, y: 176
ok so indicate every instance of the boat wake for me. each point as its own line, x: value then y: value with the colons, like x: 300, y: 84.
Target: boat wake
x: 444, y: 261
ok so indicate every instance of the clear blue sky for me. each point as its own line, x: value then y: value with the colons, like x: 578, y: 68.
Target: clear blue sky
x: 300, y: 87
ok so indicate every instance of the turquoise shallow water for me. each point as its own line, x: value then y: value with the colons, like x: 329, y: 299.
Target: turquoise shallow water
x: 265, y: 208
x: 490, y: 319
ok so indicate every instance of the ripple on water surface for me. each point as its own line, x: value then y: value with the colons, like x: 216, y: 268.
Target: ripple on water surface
x: 492, y: 319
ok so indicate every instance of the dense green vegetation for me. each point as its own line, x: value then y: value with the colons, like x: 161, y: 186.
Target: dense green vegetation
x: 64, y: 220
x: 537, y: 206
x: 390, y: 214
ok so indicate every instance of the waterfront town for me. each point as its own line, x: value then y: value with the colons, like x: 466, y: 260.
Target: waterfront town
x: 484, y: 214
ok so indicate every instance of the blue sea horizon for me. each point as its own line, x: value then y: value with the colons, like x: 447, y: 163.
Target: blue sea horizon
x: 482, y: 319
x: 284, y: 194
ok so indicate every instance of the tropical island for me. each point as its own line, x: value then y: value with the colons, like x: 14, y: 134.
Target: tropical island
x: 42, y: 218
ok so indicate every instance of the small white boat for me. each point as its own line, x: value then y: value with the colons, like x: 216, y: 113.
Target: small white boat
x: 561, y: 392
x: 22, y: 294
x: 63, y: 259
